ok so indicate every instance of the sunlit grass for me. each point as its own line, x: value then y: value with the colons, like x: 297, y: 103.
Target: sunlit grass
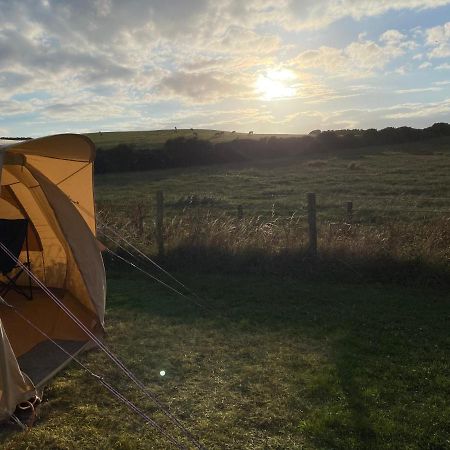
x: 276, y: 364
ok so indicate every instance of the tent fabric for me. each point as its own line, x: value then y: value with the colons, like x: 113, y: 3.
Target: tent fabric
x: 73, y: 147
x: 15, y: 387
x: 49, y: 182
x: 82, y: 246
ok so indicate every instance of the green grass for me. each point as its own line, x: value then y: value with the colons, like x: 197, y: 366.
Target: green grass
x: 399, y: 230
x: 278, y: 364
x: 337, y: 360
x: 157, y: 138
x: 407, y: 182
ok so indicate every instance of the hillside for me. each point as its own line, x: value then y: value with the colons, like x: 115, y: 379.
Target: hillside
x: 162, y: 149
x: 157, y: 138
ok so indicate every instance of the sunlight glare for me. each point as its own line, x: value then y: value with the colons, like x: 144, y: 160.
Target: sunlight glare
x: 276, y: 84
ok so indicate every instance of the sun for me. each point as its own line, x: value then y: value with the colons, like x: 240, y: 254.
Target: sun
x: 276, y: 84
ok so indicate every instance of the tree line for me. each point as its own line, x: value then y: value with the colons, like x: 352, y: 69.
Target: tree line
x: 185, y: 152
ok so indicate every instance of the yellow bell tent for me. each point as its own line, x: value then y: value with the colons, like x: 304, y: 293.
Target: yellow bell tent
x: 47, y: 183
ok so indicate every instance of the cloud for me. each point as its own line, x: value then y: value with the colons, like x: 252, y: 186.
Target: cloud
x: 238, y: 40
x: 418, y: 90
x: 439, y: 39
x: 12, y: 80
x: 91, y: 110
x: 392, y: 37
x: 412, y: 114
x: 200, y: 87
x: 359, y: 58
x: 420, y: 110
x: 138, y: 47
x: 321, y: 13
x: 13, y: 107
x: 19, y: 51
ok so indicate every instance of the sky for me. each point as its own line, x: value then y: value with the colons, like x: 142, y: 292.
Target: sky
x: 269, y: 66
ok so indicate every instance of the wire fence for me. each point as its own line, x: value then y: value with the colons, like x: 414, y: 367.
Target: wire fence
x: 364, y: 209
x: 208, y: 220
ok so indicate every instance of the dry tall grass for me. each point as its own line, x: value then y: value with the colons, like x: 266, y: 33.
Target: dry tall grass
x: 398, y: 249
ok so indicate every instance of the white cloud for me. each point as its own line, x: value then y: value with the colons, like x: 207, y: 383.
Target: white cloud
x: 320, y: 13
x: 13, y: 107
x: 412, y: 114
x: 418, y: 90
x: 238, y: 40
x: 425, y: 65
x: 439, y: 39
x: 416, y: 110
x: 359, y: 58
x: 392, y: 37
x: 89, y: 110
x: 133, y: 48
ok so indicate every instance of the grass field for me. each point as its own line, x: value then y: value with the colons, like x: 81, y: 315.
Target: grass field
x: 400, y: 195
x: 405, y: 181
x: 277, y: 364
x: 157, y: 138
x: 279, y: 359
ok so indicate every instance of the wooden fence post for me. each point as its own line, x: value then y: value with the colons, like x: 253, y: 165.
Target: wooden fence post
x: 349, y: 207
x: 160, y: 223
x: 312, y: 222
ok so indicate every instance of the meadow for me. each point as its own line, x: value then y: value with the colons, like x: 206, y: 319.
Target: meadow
x: 391, y: 180
x: 346, y: 351
x: 400, y: 215
x: 276, y: 364
x: 157, y: 138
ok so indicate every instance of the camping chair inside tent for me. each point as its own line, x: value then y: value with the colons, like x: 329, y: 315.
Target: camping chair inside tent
x: 14, y: 236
